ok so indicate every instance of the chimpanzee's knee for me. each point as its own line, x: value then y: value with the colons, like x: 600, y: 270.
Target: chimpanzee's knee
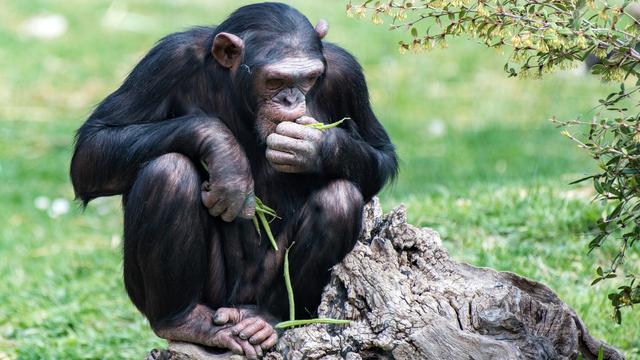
x: 170, y: 176
x: 336, y: 214
x: 340, y: 203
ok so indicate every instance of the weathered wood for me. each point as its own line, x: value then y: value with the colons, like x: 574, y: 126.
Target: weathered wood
x: 408, y: 299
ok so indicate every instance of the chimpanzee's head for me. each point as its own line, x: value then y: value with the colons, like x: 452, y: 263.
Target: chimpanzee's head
x: 275, y: 58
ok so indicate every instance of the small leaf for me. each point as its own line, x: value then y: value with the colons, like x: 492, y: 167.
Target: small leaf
x: 598, y: 186
x: 597, y: 69
x: 581, y: 180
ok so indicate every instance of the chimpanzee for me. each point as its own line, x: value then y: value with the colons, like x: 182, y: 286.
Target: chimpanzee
x: 235, y: 97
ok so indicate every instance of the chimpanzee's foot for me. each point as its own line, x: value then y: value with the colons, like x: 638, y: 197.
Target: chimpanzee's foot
x: 249, y: 324
x: 198, y: 327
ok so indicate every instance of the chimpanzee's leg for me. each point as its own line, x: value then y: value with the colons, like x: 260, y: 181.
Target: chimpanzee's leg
x: 165, y: 254
x: 167, y: 234
x: 174, y: 268
x: 324, y: 231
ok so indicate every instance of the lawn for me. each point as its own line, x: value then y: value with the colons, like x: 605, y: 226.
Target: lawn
x: 480, y: 163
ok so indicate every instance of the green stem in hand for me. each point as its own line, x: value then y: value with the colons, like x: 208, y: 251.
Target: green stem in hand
x: 260, y: 217
x: 262, y: 211
x: 323, y: 127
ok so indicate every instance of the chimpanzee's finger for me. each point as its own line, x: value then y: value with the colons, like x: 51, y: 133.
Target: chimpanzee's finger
x: 249, y: 330
x: 306, y: 120
x: 258, y: 350
x: 219, y: 207
x: 287, y: 168
x: 285, y: 143
x: 298, y: 131
x: 261, y: 335
x: 249, y: 350
x: 209, y: 198
x: 270, y: 342
x: 284, y: 154
x: 233, y: 208
x: 235, y: 330
x: 221, y: 317
x: 225, y: 315
x: 227, y: 341
x: 280, y: 157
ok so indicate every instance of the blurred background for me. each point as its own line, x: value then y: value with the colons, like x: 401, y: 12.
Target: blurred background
x: 481, y: 164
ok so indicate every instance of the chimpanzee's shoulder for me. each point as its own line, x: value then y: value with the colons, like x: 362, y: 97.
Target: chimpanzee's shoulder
x: 192, y: 43
x: 344, y: 73
x: 340, y: 59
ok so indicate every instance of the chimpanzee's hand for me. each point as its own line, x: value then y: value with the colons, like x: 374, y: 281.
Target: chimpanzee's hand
x: 295, y: 148
x: 229, y: 191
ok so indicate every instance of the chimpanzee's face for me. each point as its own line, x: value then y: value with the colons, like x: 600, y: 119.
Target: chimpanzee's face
x: 281, y: 90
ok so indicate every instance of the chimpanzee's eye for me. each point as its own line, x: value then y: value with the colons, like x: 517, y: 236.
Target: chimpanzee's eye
x: 310, y: 80
x: 274, y: 84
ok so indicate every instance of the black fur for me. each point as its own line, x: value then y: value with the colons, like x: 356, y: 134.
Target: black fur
x: 147, y: 139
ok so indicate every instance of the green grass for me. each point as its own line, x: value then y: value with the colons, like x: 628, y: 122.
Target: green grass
x: 480, y: 164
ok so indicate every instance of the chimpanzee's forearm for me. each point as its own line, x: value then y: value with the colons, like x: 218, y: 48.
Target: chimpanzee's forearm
x: 346, y: 155
x: 107, y: 158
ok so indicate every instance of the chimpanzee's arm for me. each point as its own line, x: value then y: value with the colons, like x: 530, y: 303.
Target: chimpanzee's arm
x: 107, y: 158
x: 359, y: 150
x: 131, y: 126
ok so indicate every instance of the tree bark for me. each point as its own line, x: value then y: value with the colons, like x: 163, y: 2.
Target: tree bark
x: 408, y: 299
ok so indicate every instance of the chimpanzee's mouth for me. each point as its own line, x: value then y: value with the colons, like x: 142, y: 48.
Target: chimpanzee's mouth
x: 292, y: 115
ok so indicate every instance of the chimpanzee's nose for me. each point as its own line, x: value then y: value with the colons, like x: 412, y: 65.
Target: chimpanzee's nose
x: 290, y: 99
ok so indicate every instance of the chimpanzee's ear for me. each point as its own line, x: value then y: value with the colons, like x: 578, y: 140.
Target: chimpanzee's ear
x: 322, y: 28
x: 227, y: 49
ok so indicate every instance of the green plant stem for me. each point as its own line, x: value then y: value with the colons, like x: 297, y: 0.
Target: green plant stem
x: 292, y: 323
x: 260, y: 217
x: 323, y: 127
x: 264, y: 208
x: 287, y: 283
x: 267, y: 229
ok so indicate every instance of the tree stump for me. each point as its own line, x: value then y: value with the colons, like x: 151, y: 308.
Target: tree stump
x: 408, y: 299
